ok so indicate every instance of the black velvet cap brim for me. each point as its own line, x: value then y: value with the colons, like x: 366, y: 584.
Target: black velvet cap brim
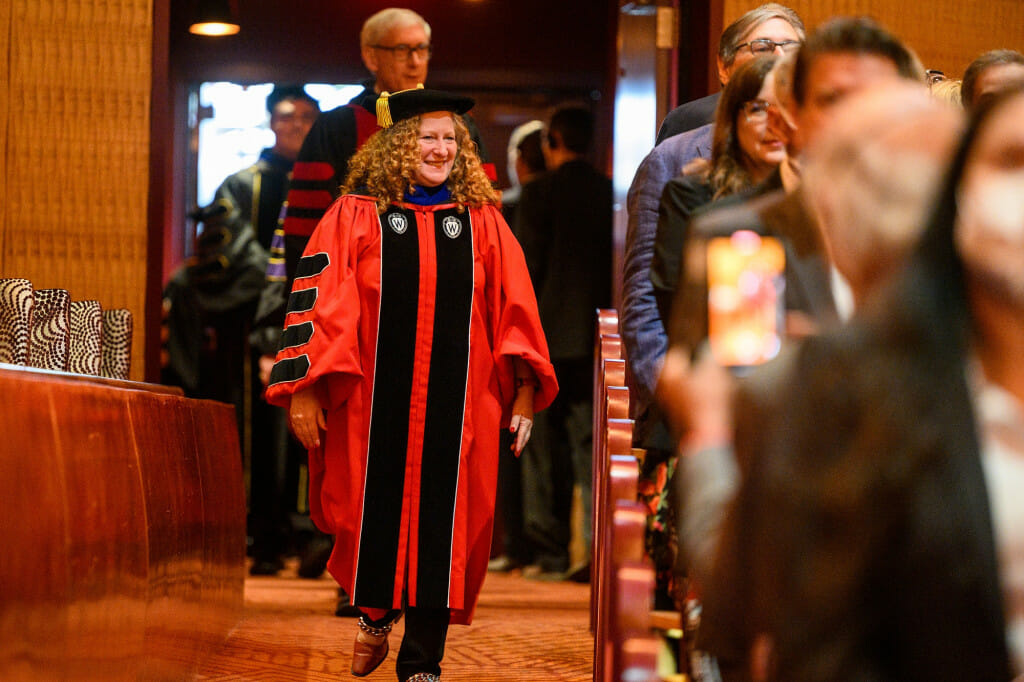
x: 409, y: 103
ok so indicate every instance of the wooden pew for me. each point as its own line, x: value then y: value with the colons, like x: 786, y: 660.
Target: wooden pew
x: 633, y: 646
x: 123, y: 515
x: 626, y: 642
x: 609, y: 371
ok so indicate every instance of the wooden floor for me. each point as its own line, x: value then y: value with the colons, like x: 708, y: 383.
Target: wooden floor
x: 524, y: 630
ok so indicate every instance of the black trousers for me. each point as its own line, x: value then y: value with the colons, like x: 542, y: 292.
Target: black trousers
x: 510, y: 502
x: 422, y: 647
x: 558, y: 455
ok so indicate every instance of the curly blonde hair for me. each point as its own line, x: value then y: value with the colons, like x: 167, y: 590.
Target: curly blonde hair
x: 384, y: 166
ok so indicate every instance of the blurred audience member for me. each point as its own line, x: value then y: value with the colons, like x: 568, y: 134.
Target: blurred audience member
x: 878, y: 533
x: 947, y: 90
x: 990, y: 74
x: 564, y: 223
x: 840, y: 58
x: 525, y: 162
x: 875, y: 172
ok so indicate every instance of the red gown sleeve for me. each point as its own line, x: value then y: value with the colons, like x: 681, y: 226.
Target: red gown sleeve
x: 320, y: 344
x: 515, y: 323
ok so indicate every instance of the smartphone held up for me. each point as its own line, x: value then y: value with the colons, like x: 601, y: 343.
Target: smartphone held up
x: 746, y: 298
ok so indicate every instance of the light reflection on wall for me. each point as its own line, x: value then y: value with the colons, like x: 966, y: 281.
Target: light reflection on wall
x: 238, y: 127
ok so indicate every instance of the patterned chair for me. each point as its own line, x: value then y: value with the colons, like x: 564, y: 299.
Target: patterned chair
x: 15, y: 320
x: 117, y: 343
x: 50, y: 330
x: 46, y: 329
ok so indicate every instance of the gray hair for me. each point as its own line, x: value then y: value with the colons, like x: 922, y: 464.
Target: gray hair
x: 387, y: 20
x: 734, y: 32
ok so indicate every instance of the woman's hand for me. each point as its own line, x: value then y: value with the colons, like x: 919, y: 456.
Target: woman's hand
x: 522, y: 418
x: 266, y: 363
x: 306, y: 418
x: 522, y: 407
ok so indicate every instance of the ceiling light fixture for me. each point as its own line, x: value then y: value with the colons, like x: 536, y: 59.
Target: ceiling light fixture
x: 214, y: 18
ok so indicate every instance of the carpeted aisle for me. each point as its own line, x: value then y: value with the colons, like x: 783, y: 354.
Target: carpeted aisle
x: 524, y: 630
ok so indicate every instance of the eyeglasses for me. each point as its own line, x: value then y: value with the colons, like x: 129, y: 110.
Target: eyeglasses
x: 756, y: 110
x: 766, y: 46
x: 403, y: 52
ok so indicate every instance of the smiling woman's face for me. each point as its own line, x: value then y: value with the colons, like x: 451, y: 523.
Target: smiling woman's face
x: 438, y: 149
x: 762, y: 145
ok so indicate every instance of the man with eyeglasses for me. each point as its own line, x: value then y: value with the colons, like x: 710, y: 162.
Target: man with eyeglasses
x: 769, y: 29
x: 396, y: 49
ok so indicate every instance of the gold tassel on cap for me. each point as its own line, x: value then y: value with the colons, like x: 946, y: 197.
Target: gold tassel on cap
x: 384, y: 111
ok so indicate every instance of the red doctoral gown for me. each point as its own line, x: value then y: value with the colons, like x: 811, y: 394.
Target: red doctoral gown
x: 406, y: 324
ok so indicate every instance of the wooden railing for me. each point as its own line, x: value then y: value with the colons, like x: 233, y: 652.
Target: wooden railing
x: 123, y: 517
x: 623, y: 585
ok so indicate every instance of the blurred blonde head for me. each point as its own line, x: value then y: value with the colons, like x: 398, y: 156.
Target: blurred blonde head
x: 947, y: 91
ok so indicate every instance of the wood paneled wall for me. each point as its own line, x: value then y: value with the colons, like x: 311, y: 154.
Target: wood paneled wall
x: 74, y: 162
x: 946, y: 34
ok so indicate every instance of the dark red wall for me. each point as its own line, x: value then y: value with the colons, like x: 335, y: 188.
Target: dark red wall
x: 493, y: 43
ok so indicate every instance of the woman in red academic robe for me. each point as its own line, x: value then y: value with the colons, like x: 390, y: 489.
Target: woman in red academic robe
x: 412, y: 336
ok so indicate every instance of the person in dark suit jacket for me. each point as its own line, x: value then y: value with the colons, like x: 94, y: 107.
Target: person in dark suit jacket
x: 564, y: 223
x: 878, y: 535
x: 769, y: 29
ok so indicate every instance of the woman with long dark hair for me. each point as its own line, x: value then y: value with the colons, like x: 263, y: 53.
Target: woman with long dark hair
x: 745, y: 152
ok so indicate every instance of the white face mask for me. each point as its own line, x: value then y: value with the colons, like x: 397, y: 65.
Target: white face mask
x: 990, y: 231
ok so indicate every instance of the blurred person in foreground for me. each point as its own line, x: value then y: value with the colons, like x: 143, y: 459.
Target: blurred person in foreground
x: 412, y: 335
x: 840, y: 58
x: 878, y: 533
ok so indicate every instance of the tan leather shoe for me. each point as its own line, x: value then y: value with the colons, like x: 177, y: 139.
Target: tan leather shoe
x: 367, y: 657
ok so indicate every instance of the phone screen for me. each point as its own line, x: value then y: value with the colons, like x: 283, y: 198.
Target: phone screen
x: 746, y: 298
